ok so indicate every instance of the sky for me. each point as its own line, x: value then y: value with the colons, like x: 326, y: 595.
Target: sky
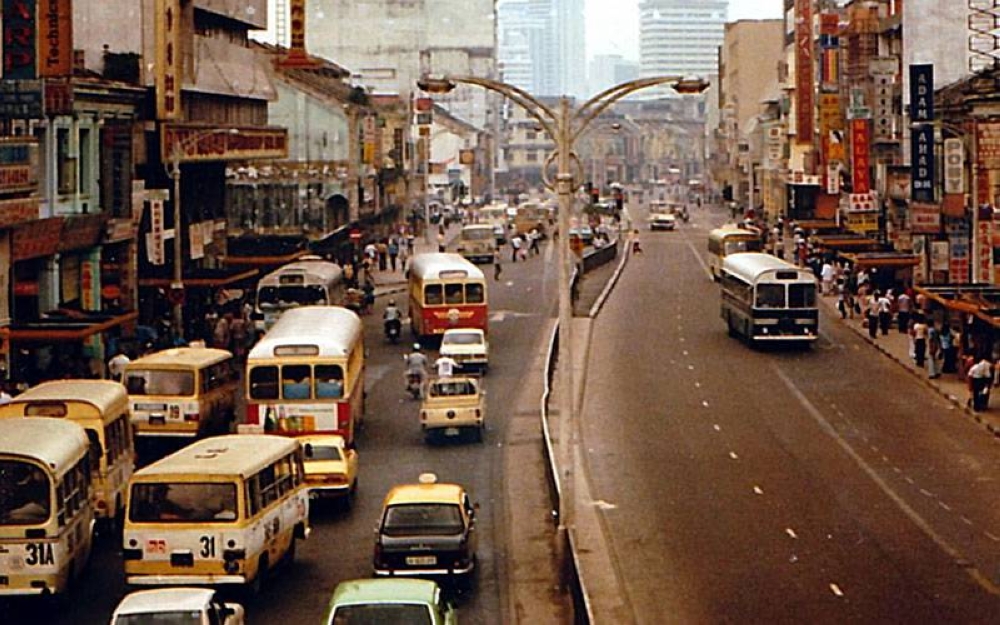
x: 613, y: 25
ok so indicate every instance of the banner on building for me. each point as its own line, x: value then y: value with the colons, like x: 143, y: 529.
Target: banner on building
x: 958, y: 240
x: 20, y: 39
x: 940, y: 258
x: 829, y: 43
x: 987, y: 159
x: 831, y: 128
x: 196, y: 240
x: 862, y: 202
x: 883, y: 70
x: 922, y: 163
x: 922, y: 92
x: 925, y: 218
x: 860, y: 156
x: 984, y: 250
x: 168, y: 71
x: 55, y: 45
x: 954, y: 166
x: 154, y: 240
x: 803, y: 72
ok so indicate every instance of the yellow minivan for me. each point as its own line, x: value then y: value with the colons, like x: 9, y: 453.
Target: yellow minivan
x: 101, y: 408
x: 183, y: 392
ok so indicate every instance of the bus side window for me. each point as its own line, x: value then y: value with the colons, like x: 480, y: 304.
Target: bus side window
x: 474, y: 293
x: 433, y: 295
x: 253, y: 496
x: 264, y: 382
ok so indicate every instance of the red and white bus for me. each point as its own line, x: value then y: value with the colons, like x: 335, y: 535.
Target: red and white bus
x: 307, y: 374
x: 446, y: 291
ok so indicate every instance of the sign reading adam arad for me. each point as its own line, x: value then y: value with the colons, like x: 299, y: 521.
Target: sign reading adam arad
x: 198, y: 143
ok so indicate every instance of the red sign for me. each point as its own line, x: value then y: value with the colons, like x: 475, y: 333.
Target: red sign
x: 195, y: 143
x: 424, y: 104
x: 803, y: 72
x: 17, y: 178
x: 355, y: 235
x: 55, y: 43
x: 860, y: 156
x: 925, y: 218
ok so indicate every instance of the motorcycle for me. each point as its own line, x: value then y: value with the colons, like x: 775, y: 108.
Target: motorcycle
x: 392, y: 330
x: 414, y: 384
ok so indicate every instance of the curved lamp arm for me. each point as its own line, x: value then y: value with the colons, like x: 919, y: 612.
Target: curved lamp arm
x: 543, y: 114
x: 603, y: 100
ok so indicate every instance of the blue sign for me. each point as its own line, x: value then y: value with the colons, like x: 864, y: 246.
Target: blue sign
x: 922, y: 163
x: 922, y: 92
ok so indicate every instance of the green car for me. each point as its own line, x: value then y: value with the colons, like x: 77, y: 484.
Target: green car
x: 399, y: 601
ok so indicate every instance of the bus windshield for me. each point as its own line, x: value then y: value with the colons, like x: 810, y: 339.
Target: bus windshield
x: 770, y: 296
x: 159, y: 382
x: 282, y: 297
x: 734, y: 246
x: 183, y: 502
x: 24, y: 494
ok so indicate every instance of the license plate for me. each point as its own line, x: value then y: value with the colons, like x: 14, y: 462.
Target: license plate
x: 451, y: 431
x: 421, y: 560
x: 157, y: 419
x: 147, y: 407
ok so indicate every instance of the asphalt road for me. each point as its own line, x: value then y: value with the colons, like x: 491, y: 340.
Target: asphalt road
x: 824, y: 485
x: 392, y: 451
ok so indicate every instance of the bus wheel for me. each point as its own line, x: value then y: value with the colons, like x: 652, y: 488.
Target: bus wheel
x: 255, y: 586
x: 289, y: 557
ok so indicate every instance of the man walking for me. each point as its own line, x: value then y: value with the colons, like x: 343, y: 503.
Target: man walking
x: 903, y: 304
x: 980, y: 377
x: 497, y: 267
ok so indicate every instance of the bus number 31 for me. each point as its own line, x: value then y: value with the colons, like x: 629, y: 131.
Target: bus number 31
x: 207, y: 547
x: 39, y: 554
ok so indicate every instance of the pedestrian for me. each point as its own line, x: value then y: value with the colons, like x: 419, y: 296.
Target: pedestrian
x: 515, y: 247
x: 497, y: 267
x: 220, y: 333
x: 382, y: 247
x: 842, y: 300
x: 393, y: 250
x: 871, y: 313
x: 948, y: 351
x: 410, y: 239
x: 933, y: 351
x: 636, y: 245
x: 116, y: 365
x: 440, y: 239
x: 349, y: 275
x: 445, y: 366
x: 919, y: 334
x: 238, y: 335
x: 534, y: 236
x: 903, y: 306
x: 980, y: 380
x: 826, y: 278
x: 885, y: 312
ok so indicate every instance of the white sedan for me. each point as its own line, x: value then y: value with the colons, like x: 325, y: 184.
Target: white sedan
x: 176, y: 606
x: 662, y: 221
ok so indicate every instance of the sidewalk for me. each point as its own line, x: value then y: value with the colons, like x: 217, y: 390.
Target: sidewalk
x: 897, y: 347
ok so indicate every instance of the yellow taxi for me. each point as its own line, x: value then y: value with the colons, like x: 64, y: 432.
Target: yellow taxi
x: 453, y: 405
x: 427, y: 530
x: 331, y: 467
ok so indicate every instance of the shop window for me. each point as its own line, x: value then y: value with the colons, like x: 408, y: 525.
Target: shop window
x: 66, y: 173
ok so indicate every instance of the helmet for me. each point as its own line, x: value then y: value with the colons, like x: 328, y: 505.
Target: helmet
x: 416, y: 347
x: 392, y: 302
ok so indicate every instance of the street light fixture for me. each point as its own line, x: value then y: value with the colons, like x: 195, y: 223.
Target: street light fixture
x: 564, y: 125
x: 177, y: 151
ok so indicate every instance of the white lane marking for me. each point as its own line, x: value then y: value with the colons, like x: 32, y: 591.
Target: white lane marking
x: 909, y: 480
x: 716, y: 427
x: 791, y: 532
x: 682, y: 339
x: 685, y: 352
x: 913, y: 515
x: 992, y: 537
x: 967, y: 521
x: 701, y: 261
x: 758, y: 490
x: 690, y: 367
x: 945, y: 506
x: 836, y: 590
x: 697, y: 384
x: 704, y: 403
x: 926, y: 493
x: 733, y: 455
x: 374, y: 373
x: 600, y: 504
x: 897, y: 469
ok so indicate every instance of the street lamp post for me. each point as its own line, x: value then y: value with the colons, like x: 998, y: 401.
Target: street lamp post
x: 177, y: 284
x: 564, y: 126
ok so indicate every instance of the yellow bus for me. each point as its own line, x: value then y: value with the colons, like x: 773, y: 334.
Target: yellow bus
x: 221, y: 511
x: 446, y: 291
x: 307, y: 375
x: 729, y: 240
x: 183, y: 392
x: 101, y: 408
x: 46, y: 512
x: 533, y: 216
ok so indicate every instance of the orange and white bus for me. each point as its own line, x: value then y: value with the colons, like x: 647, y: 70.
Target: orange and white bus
x: 446, y: 291
x: 307, y: 374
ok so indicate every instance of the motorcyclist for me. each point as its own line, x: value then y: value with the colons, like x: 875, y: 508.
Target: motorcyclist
x: 416, y: 365
x: 392, y: 318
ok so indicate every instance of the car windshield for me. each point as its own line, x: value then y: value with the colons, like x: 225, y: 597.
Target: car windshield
x: 462, y: 338
x: 382, y: 614
x: 24, y: 494
x: 322, y: 452
x: 183, y: 502
x: 451, y: 388
x: 178, y: 617
x: 159, y: 382
x: 422, y: 520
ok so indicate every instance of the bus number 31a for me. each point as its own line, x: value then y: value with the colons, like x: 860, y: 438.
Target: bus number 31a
x: 39, y: 554
x: 207, y: 547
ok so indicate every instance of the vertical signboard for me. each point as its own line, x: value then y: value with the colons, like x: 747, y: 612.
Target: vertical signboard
x: 20, y: 35
x: 803, y: 72
x: 154, y: 244
x: 55, y: 41
x: 954, y: 166
x: 987, y: 159
x: 883, y: 72
x: 958, y: 248
x: 922, y: 135
x: 860, y: 156
x: 984, y: 248
x: 829, y: 43
x: 168, y: 61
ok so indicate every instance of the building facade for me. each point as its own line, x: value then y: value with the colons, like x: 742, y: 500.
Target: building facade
x: 680, y: 37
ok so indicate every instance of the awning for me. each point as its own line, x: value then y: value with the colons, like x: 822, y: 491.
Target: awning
x: 981, y: 300
x: 847, y: 242
x: 262, y: 261
x: 881, y: 260
x: 202, y: 278
x: 76, y: 327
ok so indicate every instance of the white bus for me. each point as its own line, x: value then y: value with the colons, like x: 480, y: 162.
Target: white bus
x: 729, y: 240
x: 223, y: 510
x: 309, y: 281
x: 46, y: 511
x: 767, y: 299
x: 307, y: 375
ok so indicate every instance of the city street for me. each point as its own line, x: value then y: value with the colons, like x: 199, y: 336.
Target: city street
x: 392, y: 451
x: 776, y: 485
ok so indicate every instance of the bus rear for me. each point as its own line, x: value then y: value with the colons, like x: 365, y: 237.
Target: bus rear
x: 446, y: 292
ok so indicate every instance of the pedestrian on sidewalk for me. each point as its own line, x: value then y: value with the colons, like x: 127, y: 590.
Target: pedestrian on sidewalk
x: 871, y: 313
x: 919, y: 340
x: 383, y: 255
x: 903, y: 305
x: 980, y: 380
x: 393, y: 250
x: 410, y: 241
x: 933, y: 351
x: 947, y: 349
x: 842, y: 301
x: 885, y: 312
x: 497, y: 267
x: 826, y: 278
